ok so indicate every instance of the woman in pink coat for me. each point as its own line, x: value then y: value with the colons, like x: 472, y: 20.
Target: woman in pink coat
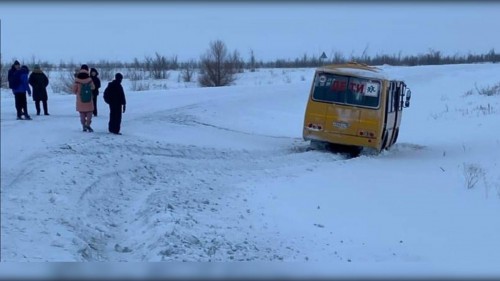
x: 84, y: 104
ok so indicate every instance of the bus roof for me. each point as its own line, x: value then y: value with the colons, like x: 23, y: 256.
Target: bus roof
x: 355, y: 69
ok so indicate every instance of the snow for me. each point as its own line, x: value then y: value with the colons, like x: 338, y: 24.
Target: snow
x: 375, y: 73
x: 222, y: 174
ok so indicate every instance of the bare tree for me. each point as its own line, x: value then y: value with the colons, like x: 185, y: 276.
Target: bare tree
x: 107, y: 73
x: 173, y: 63
x: 217, y: 66
x: 364, y: 55
x: 4, y: 73
x: 237, y: 62
x: 187, y: 70
x: 65, y: 82
x: 136, y: 64
x: 338, y: 57
x: 252, y: 63
x: 157, y: 66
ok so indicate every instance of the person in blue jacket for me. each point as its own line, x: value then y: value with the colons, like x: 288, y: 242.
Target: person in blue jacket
x: 19, y: 90
x: 16, y: 66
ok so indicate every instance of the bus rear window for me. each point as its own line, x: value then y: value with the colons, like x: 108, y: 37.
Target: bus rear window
x: 346, y: 90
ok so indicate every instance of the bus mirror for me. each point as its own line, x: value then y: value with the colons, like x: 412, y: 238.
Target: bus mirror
x: 408, y: 94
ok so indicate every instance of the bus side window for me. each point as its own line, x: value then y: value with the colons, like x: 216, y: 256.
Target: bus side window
x: 397, y: 97
x: 389, y: 98
x: 393, y: 98
x: 401, y: 97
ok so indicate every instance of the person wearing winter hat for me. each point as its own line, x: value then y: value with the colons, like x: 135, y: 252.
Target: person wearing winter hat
x: 13, y: 78
x: 15, y: 67
x: 20, y: 90
x: 39, y: 81
x: 97, y: 84
x: 84, y: 103
x: 115, y: 97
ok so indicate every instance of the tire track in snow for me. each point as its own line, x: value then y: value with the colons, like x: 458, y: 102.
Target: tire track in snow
x: 179, y: 207
x: 133, y: 199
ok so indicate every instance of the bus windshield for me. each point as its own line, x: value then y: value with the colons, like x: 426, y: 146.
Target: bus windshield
x: 346, y: 90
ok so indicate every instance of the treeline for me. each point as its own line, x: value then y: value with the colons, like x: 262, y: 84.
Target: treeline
x: 159, y: 63
x: 432, y: 57
x: 218, y: 65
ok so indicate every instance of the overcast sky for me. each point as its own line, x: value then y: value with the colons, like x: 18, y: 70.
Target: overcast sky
x: 56, y: 31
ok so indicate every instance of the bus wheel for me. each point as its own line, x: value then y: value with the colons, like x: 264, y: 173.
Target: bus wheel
x: 384, y: 141
x: 317, y: 145
x: 396, y: 137
x: 355, y: 151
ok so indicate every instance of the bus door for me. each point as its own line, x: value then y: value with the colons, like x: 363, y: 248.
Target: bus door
x: 391, y: 114
x: 398, y: 107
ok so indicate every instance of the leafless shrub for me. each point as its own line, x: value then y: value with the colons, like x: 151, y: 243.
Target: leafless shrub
x: 4, y: 72
x: 161, y: 86
x: 187, y: 71
x: 484, y: 109
x: 478, y: 110
x: 338, y: 57
x: 237, y: 62
x: 472, y: 174
x: 106, y: 74
x: 140, y: 85
x: 136, y: 75
x: 438, y: 115
x: 65, y: 83
x: 217, y: 66
x: 70, y: 65
x: 489, y: 90
x: 468, y: 93
x: 252, y: 64
x: 159, y: 66
x: 433, y: 57
x: 107, y: 64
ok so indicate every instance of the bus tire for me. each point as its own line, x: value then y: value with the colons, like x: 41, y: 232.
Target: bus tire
x: 395, y: 137
x: 384, y: 140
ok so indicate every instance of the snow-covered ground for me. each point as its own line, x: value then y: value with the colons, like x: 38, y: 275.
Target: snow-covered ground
x: 222, y: 174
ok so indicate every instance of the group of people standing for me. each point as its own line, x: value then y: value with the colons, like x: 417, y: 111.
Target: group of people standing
x: 20, y: 82
x: 85, y: 87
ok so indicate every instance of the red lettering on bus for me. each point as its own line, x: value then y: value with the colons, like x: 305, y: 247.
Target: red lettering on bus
x: 360, y: 88
x: 339, y: 86
x: 357, y: 88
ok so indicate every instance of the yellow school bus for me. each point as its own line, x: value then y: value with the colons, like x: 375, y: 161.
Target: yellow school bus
x: 354, y: 106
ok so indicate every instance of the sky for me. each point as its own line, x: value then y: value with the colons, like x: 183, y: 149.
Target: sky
x: 95, y: 30
x: 223, y: 174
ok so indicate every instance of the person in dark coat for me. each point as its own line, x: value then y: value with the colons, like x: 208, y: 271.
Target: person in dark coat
x: 19, y: 90
x: 97, y: 84
x: 39, y: 81
x: 115, y: 97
